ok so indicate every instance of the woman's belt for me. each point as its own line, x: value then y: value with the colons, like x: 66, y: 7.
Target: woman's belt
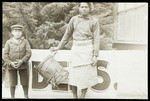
x: 82, y: 42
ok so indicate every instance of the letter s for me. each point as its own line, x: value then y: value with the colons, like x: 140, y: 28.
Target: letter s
x: 102, y: 73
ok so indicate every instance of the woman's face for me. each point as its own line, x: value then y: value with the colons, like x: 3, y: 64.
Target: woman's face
x: 17, y: 33
x: 84, y: 9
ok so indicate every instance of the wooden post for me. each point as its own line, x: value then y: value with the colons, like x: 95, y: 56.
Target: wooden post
x: 115, y: 16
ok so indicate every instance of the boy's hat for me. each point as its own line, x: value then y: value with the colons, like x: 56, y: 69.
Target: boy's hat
x: 16, y: 27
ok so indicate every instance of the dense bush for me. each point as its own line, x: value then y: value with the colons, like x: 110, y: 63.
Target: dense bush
x: 45, y: 22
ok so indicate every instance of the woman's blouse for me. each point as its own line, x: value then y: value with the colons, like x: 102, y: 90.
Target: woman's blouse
x: 83, y: 29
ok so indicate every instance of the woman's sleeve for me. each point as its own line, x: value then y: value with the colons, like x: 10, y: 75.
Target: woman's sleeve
x: 67, y: 35
x: 6, y: 53
x: 96, y: 39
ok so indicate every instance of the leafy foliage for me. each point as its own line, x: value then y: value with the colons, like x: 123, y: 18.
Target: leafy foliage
x: 45, y: 22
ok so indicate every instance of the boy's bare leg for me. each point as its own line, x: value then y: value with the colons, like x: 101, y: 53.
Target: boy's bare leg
x: 25, y: 89
x: 12, y: 91
x: 83, y: 93
x: 74, y: 90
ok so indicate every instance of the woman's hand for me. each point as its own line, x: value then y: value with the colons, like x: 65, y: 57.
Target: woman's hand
x: 94, y: 61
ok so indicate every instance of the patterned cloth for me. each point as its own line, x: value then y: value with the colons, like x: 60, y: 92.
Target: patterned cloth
x: 82, y: 74
x: 82, y: 53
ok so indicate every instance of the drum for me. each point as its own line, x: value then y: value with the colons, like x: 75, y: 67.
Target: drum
x: 52, y: 71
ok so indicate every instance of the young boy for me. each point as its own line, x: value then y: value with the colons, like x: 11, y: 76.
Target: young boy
x: 17, y: 52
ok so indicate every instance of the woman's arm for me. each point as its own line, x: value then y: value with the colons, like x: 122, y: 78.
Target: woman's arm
x: 67, y: 35
x: 96, y: 38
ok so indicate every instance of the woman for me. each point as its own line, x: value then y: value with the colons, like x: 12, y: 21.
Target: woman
x: 86, y: 40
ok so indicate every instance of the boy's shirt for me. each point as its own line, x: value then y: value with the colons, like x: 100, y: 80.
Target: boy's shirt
x: 14, y: 51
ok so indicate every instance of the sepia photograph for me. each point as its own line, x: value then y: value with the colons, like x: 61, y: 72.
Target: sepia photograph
x: 74, y: 50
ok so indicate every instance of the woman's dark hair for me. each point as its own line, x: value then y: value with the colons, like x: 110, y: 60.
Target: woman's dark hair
x: 89, y: 4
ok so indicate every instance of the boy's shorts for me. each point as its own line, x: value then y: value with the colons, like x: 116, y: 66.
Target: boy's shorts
x: 13, y: 78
